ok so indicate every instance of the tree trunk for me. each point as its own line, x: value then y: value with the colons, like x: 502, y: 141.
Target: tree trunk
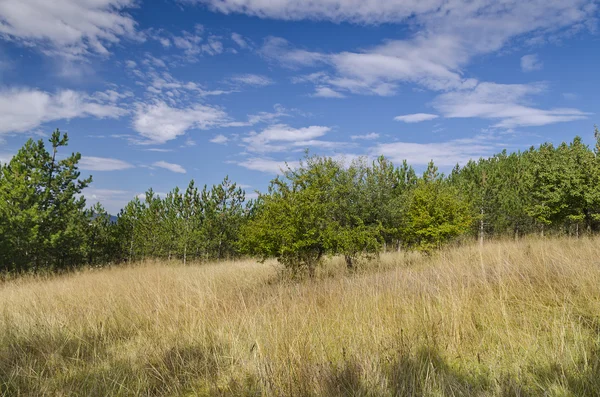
x: 311, y: 270
x: 130, y: 250
x: 185, y: 254
x: 481, y: 228
x: 349, y: 263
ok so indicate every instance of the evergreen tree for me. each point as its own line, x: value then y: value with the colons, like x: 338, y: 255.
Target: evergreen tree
x: 42, y: 215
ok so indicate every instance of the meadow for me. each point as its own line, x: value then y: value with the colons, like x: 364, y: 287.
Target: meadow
x: 509, y: 319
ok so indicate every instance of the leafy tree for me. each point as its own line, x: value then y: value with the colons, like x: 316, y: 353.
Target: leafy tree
x: 434, y: 213
x: 308, y: 213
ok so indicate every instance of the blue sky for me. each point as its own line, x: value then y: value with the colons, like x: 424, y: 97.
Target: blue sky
x: 155, y: 93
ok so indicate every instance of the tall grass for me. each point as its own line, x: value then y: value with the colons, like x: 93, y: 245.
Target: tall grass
x: 516, y: 318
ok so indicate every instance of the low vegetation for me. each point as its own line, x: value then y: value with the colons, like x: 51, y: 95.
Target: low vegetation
x: 512, y: 318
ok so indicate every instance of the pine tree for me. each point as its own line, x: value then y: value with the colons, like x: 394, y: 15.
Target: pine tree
x: 42, y: 208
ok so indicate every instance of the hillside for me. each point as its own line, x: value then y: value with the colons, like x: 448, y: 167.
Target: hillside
x: 517, y: 318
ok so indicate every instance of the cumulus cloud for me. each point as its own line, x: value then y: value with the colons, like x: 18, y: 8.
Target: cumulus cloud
x: 531, y: 62
x: 280, y: 137
x: 71, y: 28
x: 158, y: 122
x: 170, y: 166
x: 416, y: 118
x: 220, y: 139
x: 91, y: 163
x: 23, y: 109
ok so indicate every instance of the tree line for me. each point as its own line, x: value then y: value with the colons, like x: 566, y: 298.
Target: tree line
x: 322, y: 207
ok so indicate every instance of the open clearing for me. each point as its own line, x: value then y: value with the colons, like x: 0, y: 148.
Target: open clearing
x: 516, y: 318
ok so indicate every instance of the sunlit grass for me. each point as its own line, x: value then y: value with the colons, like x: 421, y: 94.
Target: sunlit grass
x: 513, y: 319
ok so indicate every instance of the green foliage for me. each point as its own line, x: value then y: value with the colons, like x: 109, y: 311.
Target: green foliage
x: 190, y: 224
x: 312, y: 211
x: 323, y: 207
x: 42, y: 217
x: 434, y: 213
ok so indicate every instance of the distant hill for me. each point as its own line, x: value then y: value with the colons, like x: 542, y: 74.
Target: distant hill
x: 113, y: 218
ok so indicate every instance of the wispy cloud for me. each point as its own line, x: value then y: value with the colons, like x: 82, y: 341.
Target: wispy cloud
x: 267, y: 165
x: 367, y: 137
x: 508, y: 104
x: 445, y: 154
x: 170, y: 166
x: 531, y: 62
x: 327, y: 92
x: 416, y: 118
x: 91, y: 163
x: 251, y: 79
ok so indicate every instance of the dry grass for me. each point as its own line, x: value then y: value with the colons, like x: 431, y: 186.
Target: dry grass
x: 516, y: 319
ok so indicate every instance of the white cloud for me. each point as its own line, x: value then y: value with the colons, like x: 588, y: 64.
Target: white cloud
x: 5, y: 158
x: 163, y: 83
x: 192, y: 43
x: 239, y: 40
x: 570, y: 96
x: 444, y: 154
x: 252, y: 79
x: 326, y: 92
x: 280, y: 50
x: 530, y: 63
x: 261, y: 117
x: 158, y: 150
x: 91, y: 163
x: 506, y: 103
x: 416, y: 118
x: 71, y: 28
x: 220, y: 139
x: 450, y: 34
x: 170, y: 166
x: 158, y: 122
x: 280, y: 136
x: 251, y: 195
x: 367, y: 137
x: 22, y: 109
x: 390, y: 11
x: 267, y: 165
x: 111, y: 199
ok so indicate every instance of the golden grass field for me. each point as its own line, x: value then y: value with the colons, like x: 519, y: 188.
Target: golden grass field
x: 513, y: 319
